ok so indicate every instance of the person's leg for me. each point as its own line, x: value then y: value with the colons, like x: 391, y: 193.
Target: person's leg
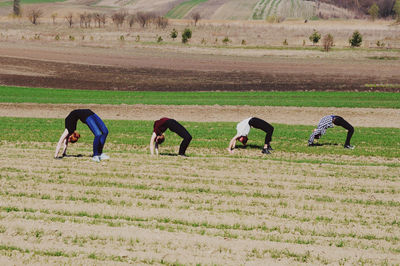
x: 90, y: 121
x: 174, y: 126
x: 339, y: 121
x: 264, y: 126
x: 100, y: 124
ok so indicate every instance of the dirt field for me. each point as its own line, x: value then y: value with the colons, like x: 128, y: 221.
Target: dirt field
x: 97, y: 59
x: 84, y: 68
x: 360, y: 117
x: 207, y: 209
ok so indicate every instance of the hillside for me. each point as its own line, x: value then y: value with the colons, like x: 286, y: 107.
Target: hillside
x: 224, y: 9
x: 362, y: 6
x: 231, y: 9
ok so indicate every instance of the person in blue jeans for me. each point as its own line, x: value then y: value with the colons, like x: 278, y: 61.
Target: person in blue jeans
x: 95, y: 124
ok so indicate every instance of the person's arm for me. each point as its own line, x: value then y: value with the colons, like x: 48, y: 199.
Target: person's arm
x: 63, y: 139
x: 153, y: 144
x: 312, y: 136
x: 65, y: 147
x: 232, y: 143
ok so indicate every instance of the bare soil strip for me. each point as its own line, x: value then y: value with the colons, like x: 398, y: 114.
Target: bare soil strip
x: 139, y: 209
x: 365, y: 117
x: 51, y: 65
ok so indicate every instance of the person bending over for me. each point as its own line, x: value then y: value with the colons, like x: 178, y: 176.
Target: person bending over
x: 243, y: 129
x: 328, y: 122
x: 158, y: 137
x: 95, y: 124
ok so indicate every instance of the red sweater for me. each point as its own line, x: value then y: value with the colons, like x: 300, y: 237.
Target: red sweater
x: 159, y: 126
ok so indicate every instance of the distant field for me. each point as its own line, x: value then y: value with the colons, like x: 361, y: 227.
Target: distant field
x: 181, y: 10
x: 314, y: 99
x: 287, y: 138
x: 266, y: 9
x: 9, y: 3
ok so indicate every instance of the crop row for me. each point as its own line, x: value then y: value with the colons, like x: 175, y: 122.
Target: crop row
x: 284, y: 205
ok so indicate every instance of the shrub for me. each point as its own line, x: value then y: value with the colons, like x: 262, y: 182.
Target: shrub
x: 54, y: 16
x: 122, y: 38
x: 396, y: 9
x: 244, y: 42
x: 174, y: 34
x: 186, y: 35
x: 314, y: 37
x: 137, y: 38
x: 356, y: 39
x: 144, y: 18
x: 82, y: 20
x: 327, y: 42
x: 131, y: 20
x: 103, y: 19
x: 373, y: 11
x: 196, y: 17
x: 203, y: 41
x: 99, y: 18
x: 70, y: 19
x: 161, y: 22
x: 17, y: 8
x: 34, y: 14
x: 226, y: 40
x: 380, y: 44
x: 57, y: 38
x: 159, y: 39
x: 118, y: 18
x: 275, y: 19
x: 71, y: 38
x: 285, y: 42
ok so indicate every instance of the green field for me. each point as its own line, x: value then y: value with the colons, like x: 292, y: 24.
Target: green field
x: 384, y: 142
x: 182, y: 9
x: 298, y: 205
x: 9, y: 3
x: 306, y: 99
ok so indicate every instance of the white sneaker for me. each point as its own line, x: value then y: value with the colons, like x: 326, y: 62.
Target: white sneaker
x: 96, y: 159
x: 104, y: 156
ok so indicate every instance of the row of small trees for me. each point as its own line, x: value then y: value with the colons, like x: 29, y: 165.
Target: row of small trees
x: 99, y: 19
x: 327, y: 42
x: 118, y: 18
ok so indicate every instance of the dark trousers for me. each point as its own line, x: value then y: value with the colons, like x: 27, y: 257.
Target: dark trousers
x: 264, y: 126
x: 339, y: 121
x: 174, y: 126
x: 100, y: 132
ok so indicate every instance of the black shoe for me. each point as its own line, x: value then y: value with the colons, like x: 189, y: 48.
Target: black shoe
x: 265, y: 151
x: 269, y: 148
x: 349, y: 147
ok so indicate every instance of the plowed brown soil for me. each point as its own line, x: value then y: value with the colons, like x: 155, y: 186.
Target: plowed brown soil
x: 166, y: 69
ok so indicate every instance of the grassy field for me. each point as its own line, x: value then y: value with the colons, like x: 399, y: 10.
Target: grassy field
x: 298, y: 205
x: 306, y: 99
x: 381, y: 142
x: 9, y: 3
